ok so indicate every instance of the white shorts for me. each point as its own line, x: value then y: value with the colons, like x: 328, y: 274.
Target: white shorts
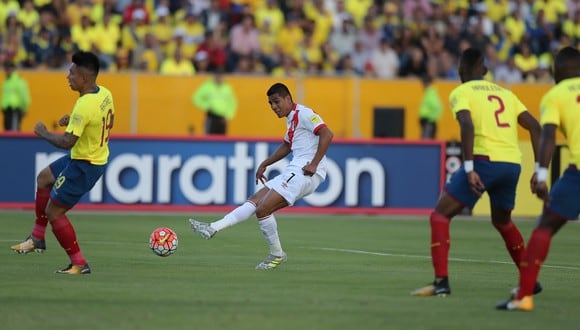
x: 292, y: 184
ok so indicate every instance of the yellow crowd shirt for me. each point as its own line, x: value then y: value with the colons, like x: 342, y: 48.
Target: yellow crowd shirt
x: 494, y: 111
x: 92, y: 120
x: 561, y: 107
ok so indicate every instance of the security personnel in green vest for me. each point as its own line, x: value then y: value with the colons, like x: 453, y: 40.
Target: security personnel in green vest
x: 217, y: 98
x: 15, y: 98
x: 430, y: 109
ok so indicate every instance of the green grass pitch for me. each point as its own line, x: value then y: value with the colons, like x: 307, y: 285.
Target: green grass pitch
x: 343, y: 272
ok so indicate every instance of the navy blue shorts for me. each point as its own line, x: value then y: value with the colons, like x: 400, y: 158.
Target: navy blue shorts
x: 499, y: 178
x: 73, y: 179
x: 565, y: 195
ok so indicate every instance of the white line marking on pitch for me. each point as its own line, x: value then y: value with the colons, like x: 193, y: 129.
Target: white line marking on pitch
x: 383, y: 254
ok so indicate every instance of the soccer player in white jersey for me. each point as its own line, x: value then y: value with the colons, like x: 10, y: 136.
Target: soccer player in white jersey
x: 307, y: 138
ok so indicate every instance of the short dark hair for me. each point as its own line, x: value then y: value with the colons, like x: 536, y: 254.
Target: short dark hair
x: 280, y: 89
x: 470, y: 58
x: 567, y: 56
x: 88, y: 61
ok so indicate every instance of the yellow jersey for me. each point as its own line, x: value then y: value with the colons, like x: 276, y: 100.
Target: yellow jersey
x: 561, y: 107
x: 494, y: 111
x: 92, y: 120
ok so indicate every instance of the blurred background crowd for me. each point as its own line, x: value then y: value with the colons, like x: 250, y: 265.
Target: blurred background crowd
x: 386, y: 39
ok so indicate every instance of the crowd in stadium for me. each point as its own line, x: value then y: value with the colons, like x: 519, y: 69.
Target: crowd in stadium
x: 385, y: 39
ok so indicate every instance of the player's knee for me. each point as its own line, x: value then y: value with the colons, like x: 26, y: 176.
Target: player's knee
x: 45, y: 179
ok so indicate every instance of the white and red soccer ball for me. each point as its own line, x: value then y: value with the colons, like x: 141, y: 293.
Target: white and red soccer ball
x: 163, y: 241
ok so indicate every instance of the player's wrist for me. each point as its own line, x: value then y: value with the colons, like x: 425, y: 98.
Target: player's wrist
x: 468, y: 166
x: 536, y: 167
x: 542, y: 174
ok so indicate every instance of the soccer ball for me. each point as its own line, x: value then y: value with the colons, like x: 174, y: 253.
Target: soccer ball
x: 163, y: 241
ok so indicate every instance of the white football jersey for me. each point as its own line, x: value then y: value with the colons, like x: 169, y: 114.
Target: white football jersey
x: 301, y: 126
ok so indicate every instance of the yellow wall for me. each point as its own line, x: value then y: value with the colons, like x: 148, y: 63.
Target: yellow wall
x: 152, y: 104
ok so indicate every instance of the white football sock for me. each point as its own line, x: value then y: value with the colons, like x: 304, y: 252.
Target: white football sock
x: 269, y: 228
x: 239, y: 214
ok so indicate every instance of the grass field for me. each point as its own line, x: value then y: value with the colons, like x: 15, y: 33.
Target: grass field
x: 351, y: 272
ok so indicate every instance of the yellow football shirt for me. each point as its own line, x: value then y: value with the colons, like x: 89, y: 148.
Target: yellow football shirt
x: 92, y: 120
x: 494, y: 112
x: 561, y: 107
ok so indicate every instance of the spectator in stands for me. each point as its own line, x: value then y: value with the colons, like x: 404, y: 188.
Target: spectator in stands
x: 243, y: 40
x: 414, y: 63
x: 540, y: 33
x: 410, y: 8
x: 339, y: 14
x: 201, y: 62
x: 194, y: 30
x: 346, y: 67
x: 75, y: 9
x: 515, y: 27
x: 369, y: 35
x: 133, y: 32
x: 106, y: 7
x: 82, y: 34
x: 285, y: 67
x: 290, y: 35
x: 107, y: 35
x: 571, y: 26
x: 452, y: 38
x: 213, y: 16
x: 359, y: 57
x: 385, y: 60
x: 446, y: 66
x: 42, y: 50
x: 343, y: 39
x: 136, y: 5
x: 508, y: 72
x: 271, y: 14
x: 215, y: 48
x: 28, y: 17
x: 162, y: 28
x: 526, y: 61
x: 322, y: 19
x: 358, y: 9
x: 177, y: 65
x: 148, y: 55
x: 178, y: 42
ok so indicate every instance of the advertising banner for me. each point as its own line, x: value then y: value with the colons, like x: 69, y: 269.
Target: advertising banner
x: 214, y: 174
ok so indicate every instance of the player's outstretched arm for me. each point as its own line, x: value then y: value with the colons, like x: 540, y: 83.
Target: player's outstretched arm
x: 65, y: 141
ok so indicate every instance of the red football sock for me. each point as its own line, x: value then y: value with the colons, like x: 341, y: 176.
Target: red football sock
x: 513, y: 239
x: 66, y: 236
x: 42, y: 197
x: 440, y: 243
x: 534, y: 255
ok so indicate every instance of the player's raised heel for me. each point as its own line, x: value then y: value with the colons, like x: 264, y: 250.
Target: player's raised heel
x: 75, y: 270
x: 203, y: 229
x: 438, y: 288
x: 537, y: 289
x: 526, y: 304
x: 30, y: 244
x: 272, y: 261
